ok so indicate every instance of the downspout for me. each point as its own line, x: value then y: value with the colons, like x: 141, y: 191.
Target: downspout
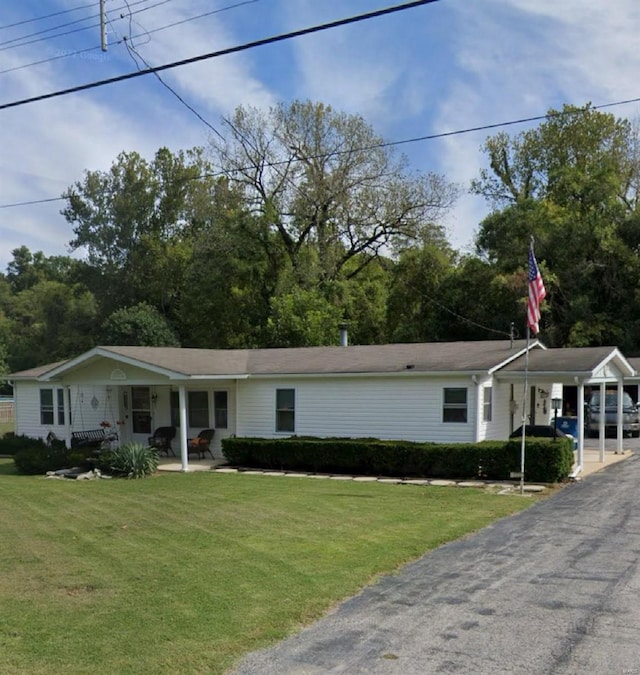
x: 182, y: 401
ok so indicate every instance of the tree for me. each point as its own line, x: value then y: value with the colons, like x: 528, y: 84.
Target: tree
x: 323, y: 180
x: 136, y: 222
x: 140, y: 325
x: 572, y: 183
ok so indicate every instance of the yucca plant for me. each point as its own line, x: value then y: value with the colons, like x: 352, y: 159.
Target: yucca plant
x: 134, y: 460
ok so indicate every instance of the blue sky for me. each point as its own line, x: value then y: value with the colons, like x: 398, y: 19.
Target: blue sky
x: 441, y: 67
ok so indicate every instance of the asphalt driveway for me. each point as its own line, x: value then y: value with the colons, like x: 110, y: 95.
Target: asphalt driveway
x: 555, y: 589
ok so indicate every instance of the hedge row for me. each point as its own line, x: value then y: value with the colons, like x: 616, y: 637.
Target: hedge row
x: 546, y: 460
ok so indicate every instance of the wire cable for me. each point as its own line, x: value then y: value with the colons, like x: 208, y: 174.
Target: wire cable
x: 222, y: 52
x: 385, y: 144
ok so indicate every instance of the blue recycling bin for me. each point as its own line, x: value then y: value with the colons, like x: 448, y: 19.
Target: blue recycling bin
x: 569, y: 425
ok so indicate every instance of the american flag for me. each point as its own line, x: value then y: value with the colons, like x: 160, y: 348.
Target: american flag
x: 537, y: 293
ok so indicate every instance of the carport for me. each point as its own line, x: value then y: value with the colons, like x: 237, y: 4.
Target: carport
x: 580, y: 367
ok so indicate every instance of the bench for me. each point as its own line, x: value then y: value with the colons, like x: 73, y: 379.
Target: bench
x: 93, y: 438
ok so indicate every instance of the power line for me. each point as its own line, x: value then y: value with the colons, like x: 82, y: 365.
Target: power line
x: 131, y: 37
x: 7, y: 44
x: 223, y: 52
x: 46, y: 16
x: 386, y: 144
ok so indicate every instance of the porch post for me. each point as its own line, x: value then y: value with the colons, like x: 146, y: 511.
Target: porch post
x: 66, y: 408
x: 620, y: 433
x: 603, y: 414
x: 580, y: 426
x: 182, y: 399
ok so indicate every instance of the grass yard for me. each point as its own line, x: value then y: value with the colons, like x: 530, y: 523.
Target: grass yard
x: 184, y: 573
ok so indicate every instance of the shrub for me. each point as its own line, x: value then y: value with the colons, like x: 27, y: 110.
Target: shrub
x: 34, y: 456
x: 10, y: 443
x: 547, y: 461
x: 132, y: 460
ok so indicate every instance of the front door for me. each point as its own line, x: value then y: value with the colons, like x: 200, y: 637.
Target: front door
x: 135, y: 404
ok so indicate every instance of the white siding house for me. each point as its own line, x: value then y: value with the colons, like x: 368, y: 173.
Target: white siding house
x: 441, y: 392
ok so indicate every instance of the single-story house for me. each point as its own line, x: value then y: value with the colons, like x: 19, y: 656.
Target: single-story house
x: 444, y: 391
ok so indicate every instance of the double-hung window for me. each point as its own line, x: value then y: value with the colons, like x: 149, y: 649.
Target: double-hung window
x: 486, y: 404
x: 454, y: 408
x: 221, y: 409
x: 198, y: 409
x: 286, y: 410
x: 46, y: 406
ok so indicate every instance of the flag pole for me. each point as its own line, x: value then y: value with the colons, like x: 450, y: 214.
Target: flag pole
x: 524, y: 412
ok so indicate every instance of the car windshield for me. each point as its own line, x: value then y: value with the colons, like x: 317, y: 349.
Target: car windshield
x: 611, y: 400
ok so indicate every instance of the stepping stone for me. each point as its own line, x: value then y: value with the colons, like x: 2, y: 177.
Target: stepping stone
x: 416, y: 481
x: 534, y: 488
x: 391, y: 481
x: 365, y: 479
x: 251, y: 473
x: 471, y: 483
x: 318, y: 475
x: 273, y: 473
x: 442, y: 483
x: 296, y: 475
x: 226, y: 470
x: 341, y: 477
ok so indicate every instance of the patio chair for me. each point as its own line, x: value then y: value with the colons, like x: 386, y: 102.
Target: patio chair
x: 201, y: 444
x: 161, y: 440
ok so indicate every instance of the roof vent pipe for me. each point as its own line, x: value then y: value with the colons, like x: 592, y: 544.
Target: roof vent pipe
x: 344, y: 336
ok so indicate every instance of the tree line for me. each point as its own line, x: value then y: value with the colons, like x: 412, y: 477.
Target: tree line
x: 299, y: 218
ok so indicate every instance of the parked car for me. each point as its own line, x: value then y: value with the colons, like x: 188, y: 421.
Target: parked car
x: 630, y: 414
x: 538, y: 431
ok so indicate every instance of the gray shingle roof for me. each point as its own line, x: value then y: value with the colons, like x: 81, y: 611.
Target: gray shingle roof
x: 565, y: 360
x: 473, y: 356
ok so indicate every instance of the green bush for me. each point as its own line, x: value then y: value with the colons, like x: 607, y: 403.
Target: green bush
x: 10, y: 443
x: 34, y: 456
x: 132, y: 460
x: 547, y: 461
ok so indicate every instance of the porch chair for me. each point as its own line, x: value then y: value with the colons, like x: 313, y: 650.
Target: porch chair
x: 161, y: 440
x: 201, y: 444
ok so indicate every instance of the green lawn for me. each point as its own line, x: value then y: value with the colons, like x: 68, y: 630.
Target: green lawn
x: 183, y: 573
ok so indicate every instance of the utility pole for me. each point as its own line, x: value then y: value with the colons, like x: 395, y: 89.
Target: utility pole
x: 103, y: 27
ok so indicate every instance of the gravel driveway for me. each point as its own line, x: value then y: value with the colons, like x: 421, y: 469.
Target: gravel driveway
x: 555, y: 589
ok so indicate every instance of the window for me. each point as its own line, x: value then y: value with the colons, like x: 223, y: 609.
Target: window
x: 198, y: 405
x: 486, y: 404
x: 220, y: 409
x: 141, y: 410
x: 174, y: 405
x: 285, y: 409
x: 46, y: 406
x: 60, y: 393
x: 455, y: 405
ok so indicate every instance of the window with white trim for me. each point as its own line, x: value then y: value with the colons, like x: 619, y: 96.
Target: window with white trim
x: 46, y: 406
x: 286, y: 410
x: 454, y: 407
x: 198, y: 409
x: 221, y: 409
x: 487, y: 411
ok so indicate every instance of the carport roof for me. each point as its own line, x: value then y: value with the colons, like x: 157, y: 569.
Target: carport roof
x: 570, y: 362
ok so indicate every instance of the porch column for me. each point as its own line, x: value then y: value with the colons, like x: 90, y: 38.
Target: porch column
x: 66, y: 408
x: 182, y: 401
x: 580, y: 405
x: 603, y: 414
x: 620, y: 433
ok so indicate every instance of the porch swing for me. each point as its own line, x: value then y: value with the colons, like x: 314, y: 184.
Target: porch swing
x: 92, y: 438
